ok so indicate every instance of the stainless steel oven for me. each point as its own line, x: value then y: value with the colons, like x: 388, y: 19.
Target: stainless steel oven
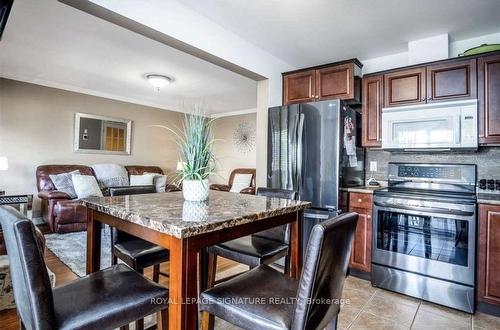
x: 424, y: 233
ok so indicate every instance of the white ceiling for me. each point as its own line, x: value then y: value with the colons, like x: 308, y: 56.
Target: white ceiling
x: 49, y: 43
x: 312, y: 32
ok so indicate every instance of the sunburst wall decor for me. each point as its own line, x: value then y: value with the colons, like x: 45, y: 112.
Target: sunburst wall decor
x: 244, y: 137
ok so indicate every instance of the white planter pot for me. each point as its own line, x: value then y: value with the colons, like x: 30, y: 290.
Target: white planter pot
x: 195, y: 190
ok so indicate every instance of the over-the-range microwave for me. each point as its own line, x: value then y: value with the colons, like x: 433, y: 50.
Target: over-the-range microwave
x: 431, y: 127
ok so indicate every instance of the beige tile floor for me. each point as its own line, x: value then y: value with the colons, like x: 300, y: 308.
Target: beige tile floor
x: 370, y: 308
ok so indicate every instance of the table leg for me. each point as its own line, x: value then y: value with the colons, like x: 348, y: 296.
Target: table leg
x: 183, y: 286
x: 296, y: 245
x: 93, y: 243
x: 203, y: 270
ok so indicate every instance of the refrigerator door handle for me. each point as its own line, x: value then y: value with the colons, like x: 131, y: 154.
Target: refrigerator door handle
x: 299, y: 153
x: 292, y: 175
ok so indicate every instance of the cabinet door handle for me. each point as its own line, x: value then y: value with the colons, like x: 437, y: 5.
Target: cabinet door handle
x: 359, y: 200
x: 423, y: 99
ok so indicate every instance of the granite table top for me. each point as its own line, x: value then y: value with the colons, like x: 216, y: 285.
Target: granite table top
x: 171, y: 214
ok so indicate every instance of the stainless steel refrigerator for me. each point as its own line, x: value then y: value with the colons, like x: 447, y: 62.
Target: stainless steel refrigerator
x: 314, y: 149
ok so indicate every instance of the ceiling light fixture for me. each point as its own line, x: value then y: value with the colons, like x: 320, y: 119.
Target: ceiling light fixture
x: 158, y: 81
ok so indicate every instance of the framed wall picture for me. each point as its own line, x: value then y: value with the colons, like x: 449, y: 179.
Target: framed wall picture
x: 100, y: 134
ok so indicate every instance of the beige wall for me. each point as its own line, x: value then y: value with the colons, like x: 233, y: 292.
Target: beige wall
x: 261, y: 142
x: 226, y: 151
x: 36, y: 127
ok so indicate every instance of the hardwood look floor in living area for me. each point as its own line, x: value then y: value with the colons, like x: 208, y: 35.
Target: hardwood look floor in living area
x: 366, y: 308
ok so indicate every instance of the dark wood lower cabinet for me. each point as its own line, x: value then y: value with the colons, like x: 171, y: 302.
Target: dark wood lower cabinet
x: 488, y: 263
x: 361, y: 254
x: 361, y: 258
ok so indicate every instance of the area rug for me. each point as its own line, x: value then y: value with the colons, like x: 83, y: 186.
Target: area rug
x: 71, y: 249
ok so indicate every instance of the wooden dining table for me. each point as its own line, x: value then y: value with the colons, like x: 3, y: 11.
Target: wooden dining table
x: 186, y: 228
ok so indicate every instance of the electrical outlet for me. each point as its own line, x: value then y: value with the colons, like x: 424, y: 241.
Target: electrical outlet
x: 373, y: 166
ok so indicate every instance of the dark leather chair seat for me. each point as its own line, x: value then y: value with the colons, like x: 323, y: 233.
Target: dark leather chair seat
x: 106, y: 299
x: 127, y: 298
x: 264, y: 298
x: 258, y: 285
x: 134, y: 251
x: 139, y: 253
x: 251, y: 250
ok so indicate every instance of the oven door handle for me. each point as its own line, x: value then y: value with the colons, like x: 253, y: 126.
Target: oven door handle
x: 426, y: 209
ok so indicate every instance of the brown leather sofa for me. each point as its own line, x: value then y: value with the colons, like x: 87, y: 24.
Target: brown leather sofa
x: 226, y: 187
x: 64, y: 214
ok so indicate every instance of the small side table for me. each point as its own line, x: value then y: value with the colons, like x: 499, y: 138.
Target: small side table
x: 24, y: 201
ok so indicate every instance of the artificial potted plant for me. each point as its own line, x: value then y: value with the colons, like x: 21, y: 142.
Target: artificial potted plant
x: 195, y: 141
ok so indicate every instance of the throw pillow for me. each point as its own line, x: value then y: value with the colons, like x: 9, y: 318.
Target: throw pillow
x: 63, y: 182
x: 142, y: 180
x: 86, y: 186
x: 160, y: 181
x: 240, y: 182
x: 111, y: 175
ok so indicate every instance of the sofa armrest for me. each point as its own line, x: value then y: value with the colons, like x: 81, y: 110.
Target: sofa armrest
x: 220, y: 187
x: 53, y: 194
x: 249, y: 191
x: 172, y: 188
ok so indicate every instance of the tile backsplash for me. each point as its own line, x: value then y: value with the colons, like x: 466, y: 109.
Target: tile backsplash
x: 487, y: 160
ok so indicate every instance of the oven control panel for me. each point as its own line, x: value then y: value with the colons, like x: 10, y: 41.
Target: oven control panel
x: 433, y: 177
x: 430, y: 172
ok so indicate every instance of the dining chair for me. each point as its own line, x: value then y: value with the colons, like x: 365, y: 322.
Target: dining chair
x: 108, y: 299
x: 264, y: 247
x: 133, y: 251
x: 264, y: 298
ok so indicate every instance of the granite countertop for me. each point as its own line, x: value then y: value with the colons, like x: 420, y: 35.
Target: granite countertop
x: 488, y: 199
x: 362, y: 189
x: 171, y: 214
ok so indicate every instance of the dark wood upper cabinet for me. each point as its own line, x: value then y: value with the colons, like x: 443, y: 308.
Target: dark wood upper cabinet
x: 405, y: 87
x: 452, y: 81
x: 336, y: 82
x: 327, y: 82
x: 299, y: 87
x: 489, y: 99
x: 488, y: 263
x: 475, y: 77
x: 373, y: 101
